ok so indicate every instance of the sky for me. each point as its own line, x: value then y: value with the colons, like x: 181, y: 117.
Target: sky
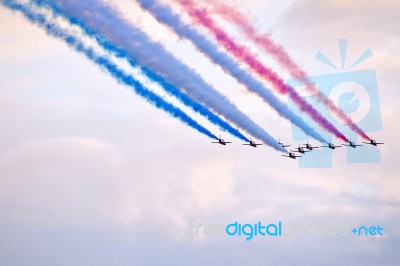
x: 91, y: 174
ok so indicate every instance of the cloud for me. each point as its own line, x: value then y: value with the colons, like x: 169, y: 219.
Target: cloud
x: 90, y: 174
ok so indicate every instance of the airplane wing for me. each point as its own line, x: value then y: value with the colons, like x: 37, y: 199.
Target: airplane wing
x: 377, y: 143
x: 369, y: 143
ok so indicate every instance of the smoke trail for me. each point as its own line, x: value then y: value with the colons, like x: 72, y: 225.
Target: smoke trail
x: 168, y: 17
x: 53, y: 30
x: 241, y: 53
x: 101, y: 19
x: 184, y: 98
x: 170, y: 88
x: 233, y: 15
x: 280, y: 54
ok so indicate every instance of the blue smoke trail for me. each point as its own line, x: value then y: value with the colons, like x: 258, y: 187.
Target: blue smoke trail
x: 55, y: 31
x: 100, y: 19
x: 168, y: 87
x: 184, y: 98
x: 168, y: 17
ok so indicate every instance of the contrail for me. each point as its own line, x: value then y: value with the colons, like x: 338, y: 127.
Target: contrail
x: 239, y: 19
x: 184, y: 98
x: 169, y: 88
x: 244, y: 55
x: 54, y: 30
x: 104, y: 21
x: 171, y: 19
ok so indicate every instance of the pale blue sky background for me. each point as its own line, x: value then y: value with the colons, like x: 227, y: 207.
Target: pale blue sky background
x: 90, y: 174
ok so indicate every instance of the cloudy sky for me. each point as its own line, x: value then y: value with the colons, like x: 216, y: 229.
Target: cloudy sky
x: 91, y: 174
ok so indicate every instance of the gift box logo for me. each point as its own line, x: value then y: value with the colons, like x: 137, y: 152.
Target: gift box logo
x: 356, y: 93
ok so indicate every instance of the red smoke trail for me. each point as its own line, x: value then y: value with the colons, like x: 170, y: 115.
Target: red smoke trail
x: 278, y: 52
x: 241, y: 53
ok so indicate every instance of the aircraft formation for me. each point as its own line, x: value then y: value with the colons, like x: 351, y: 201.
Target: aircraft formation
x: 304, y: 148
x: 113, y: 52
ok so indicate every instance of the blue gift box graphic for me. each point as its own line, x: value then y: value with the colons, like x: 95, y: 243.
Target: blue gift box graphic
x: 356, y: 93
